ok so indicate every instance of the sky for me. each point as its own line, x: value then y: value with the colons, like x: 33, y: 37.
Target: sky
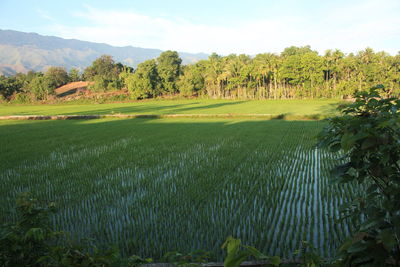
x: 221, y: 26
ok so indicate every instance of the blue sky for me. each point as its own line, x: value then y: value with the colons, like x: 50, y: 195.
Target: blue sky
x: 246, y: 26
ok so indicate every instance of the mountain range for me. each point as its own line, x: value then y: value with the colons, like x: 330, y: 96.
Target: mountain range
x: 21, y: 52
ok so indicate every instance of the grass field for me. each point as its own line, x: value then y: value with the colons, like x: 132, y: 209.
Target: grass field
x: 196, y: 106
x: 152, y: 186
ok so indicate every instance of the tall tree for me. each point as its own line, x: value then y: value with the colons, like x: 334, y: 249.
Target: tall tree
x: 105, y: 74
x: 74, y: 75
x: 191, y: 82
x: 297, y: 72
x: 266, y: 69
x: 104, y: 66
x: 213, y: 79
x: 56, y: 76
x: 144, y: 82
x: 333, y: 70
x: 169, y: 69
x: 296, y: 50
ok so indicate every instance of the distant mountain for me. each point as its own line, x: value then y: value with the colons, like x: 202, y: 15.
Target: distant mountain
x: 21, y: 52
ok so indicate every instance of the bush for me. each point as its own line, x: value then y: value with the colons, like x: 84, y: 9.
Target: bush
x: 368, y: 133
x: 21, y: 98
x: 31, y: 242
x: 100, y: 84
x: 41, y: 87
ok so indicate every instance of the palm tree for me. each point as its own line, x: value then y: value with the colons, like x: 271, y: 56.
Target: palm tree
x: 267, y: 66
x: 213, y: 71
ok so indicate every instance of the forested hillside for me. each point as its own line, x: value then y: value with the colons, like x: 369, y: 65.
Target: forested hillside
x: 21, y: 52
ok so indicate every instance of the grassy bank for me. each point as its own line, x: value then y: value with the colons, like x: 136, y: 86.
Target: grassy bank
x: 195, y: 106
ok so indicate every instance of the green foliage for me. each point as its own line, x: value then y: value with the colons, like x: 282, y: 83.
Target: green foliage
x: 9, y: 86
x: 169, y: 69
x: 309, y: 256
x: 294, y: 50
x: 303, y: 69
x: 125, y: 73
x: 143, y: 83
x: 41, y: 87
x: 192, y: 80
x: 369, y: 135
x: 195, y: 258
x: 105, y: 74
x: 115, y: 84
x: 298, y: 72
x: 74, y: 75
x: 25, y: 243
x: 30, y: 241
x: 238, y: 253
x: 20, y: 98
x: 56, y: 76
x: 104, y: 66
x: 99, y: 84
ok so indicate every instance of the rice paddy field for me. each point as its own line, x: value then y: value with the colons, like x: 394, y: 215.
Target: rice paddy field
x: 150, y: 186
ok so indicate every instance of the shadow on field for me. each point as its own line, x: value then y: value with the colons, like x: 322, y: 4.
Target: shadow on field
x: 139, y: 108
x: 211, y: 106
x: 332, y: 109
x: 157, y: 109
x: 29, y: 140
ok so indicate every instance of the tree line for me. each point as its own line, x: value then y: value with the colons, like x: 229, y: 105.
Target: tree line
x: 297, y: 72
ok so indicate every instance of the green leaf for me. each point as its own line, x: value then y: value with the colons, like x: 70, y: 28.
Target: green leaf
x: 368, y: 143
x: 345, y: 246
x: 357, y: 247
x: 275, y: 260
x: 369, y: 224
x: 234, y: 257
x: 387, y: 238
x: 372, y: 188
x: 235, y: 260
x: 255, y: 252
x: 340, y: 170
x: 335, y: 147
x: 347, y: 141
x: 232, y: 245
x: 35, y: 234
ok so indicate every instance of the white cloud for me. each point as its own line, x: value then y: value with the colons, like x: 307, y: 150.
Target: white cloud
x: 362, y: 24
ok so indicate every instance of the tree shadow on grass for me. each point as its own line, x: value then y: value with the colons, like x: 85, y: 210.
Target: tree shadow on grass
x: 159, y: 109
x: 132, y: 109
x: 212, y: 106
x: 332, y: 109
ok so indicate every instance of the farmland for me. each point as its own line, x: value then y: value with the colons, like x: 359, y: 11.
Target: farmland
x: 182, y: 106
x: 155, y: 185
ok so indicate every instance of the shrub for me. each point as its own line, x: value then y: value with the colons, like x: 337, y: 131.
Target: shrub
x: 30, y: 241
x: 368, y: 132
x: 21, y: 98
